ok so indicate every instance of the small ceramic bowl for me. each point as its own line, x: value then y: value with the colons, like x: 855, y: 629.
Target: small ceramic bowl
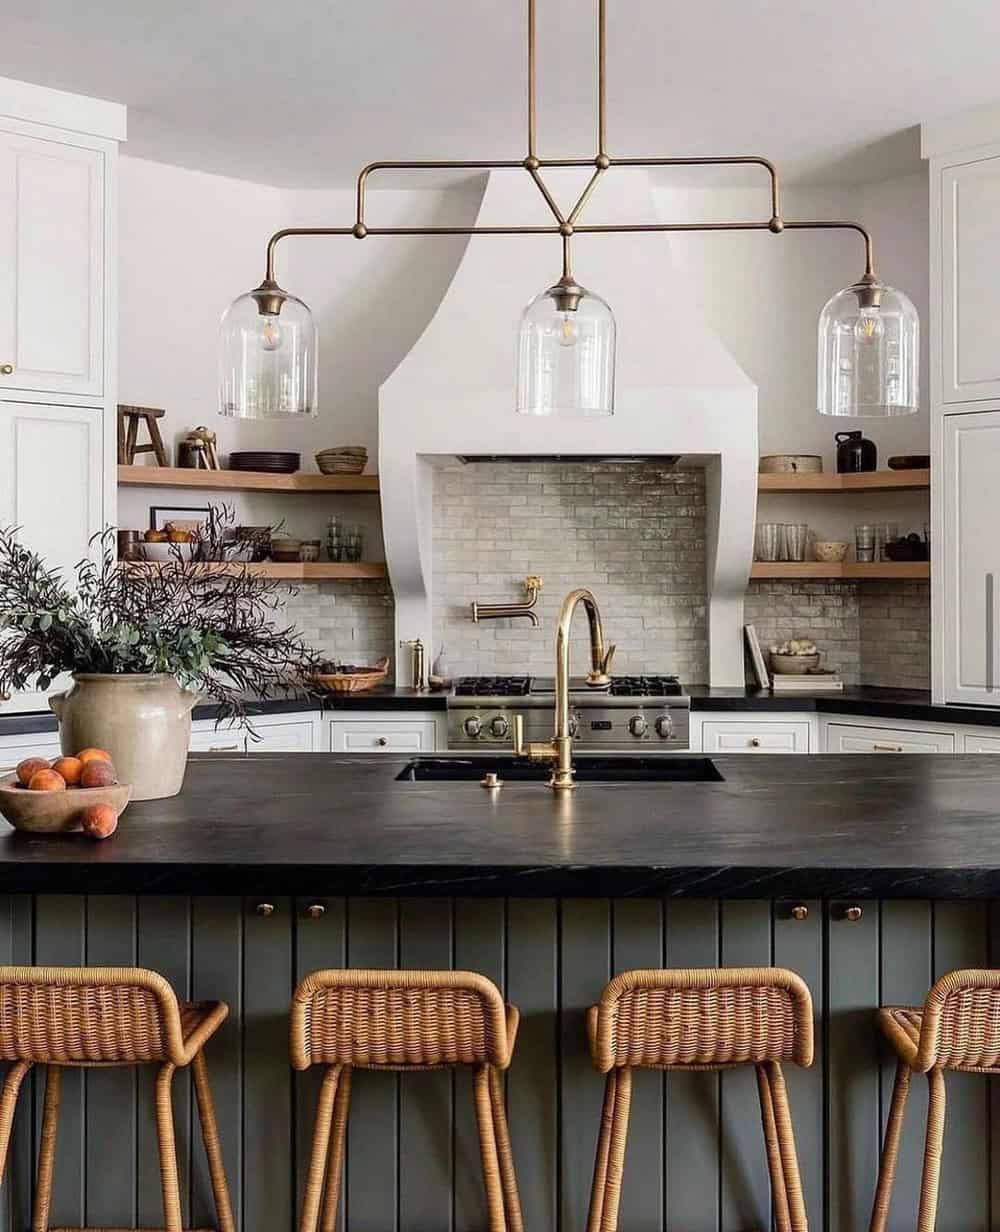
x: 793, y: 665
x: 831, y: 551
x: 161, y: 552
x: 55, y: 812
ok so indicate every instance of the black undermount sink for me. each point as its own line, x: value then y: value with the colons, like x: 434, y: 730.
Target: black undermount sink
x: 667, y: 768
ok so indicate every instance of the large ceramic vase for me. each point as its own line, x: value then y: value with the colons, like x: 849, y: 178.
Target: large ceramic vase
x: 144, y: 722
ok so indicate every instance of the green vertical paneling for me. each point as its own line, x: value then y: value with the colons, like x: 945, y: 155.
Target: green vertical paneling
x: 852, y: 1066
x: 533, y: 1083
x: 637, y: 942
x: 906, y: 963
x: 745, y: 1193
x: 110, y: 1093
x: 692, y: 1100
x: 425, y: 1114
x: 163, y: 944
x: 320, y: 943
x: 372, y: 1142
x: 217, y: 975
x: 267, y: 1079
x: 59, y: 942
x: 798, y: 945
x: 585, y: 955
x: 961, y: 939
x: 17, y: 948
x: 479, y: 944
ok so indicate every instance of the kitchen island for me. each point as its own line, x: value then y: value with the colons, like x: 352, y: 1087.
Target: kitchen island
x: 268, y: 866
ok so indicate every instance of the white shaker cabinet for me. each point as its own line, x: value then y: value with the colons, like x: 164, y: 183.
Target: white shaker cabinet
x: 52, y: 215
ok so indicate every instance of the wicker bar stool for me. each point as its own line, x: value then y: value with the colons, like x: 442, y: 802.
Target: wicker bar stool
x: 107, y: 1016
x: 957, y: 1028
x: 403, y: 1021
x: 708, y: 1019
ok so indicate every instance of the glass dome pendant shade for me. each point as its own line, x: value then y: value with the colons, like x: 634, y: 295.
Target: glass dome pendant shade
x: 267, y: 356
x: 566, y: 353
x: 868, y: 362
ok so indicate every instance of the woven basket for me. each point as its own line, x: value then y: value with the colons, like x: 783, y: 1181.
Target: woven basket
x: 352, y: 682
x: 343, y: 461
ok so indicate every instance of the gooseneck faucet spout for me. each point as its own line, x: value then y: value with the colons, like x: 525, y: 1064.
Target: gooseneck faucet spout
x: 559, y: 749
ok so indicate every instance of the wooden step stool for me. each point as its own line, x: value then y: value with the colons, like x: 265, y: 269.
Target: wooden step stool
x: 129, y: 419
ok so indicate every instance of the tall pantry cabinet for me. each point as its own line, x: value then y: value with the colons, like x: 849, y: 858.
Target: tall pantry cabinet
x: 964, y: 153
x: 58, y: 182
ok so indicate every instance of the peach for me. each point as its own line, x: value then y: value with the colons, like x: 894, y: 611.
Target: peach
x: 99, y: 820
x: 28, y: 767
x: 97, y: 773
x: 86, y: 755
x: 69, y: 768
x: 47, y: 780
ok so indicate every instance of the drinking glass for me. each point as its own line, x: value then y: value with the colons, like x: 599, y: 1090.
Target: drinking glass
x: 352, y: 545
x: 796, y: 537
x: 885, y: 532
x: 768, y: 541
x: 864, y: 544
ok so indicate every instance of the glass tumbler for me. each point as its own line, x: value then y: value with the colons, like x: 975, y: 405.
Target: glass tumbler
x: 885, y: 532
x: 768, y: 541
x: 352, y: 545
x: 796, y: 538
x: 864, y: 544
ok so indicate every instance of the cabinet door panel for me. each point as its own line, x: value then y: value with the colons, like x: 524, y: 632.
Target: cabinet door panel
x: 755, y: 737
x: 971, y: 558
x: 52, y: 238
x: 849, y: 738
x: 391, y: 736
x: 970, y: 221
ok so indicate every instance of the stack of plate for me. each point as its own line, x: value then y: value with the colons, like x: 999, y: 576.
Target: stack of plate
x: 344, y: 460
x: 271, y: 461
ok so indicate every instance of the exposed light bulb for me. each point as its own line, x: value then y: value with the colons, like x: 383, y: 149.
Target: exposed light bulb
x: 568, y: 332
x: 270, y: 333
x: 869, y: 326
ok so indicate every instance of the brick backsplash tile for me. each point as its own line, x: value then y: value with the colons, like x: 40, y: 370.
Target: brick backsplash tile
x: 896, y: 634
x: 352, y: 621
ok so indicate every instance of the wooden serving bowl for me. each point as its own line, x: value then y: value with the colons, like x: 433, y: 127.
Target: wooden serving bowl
x: 55, y: 812
x: 358, y: 680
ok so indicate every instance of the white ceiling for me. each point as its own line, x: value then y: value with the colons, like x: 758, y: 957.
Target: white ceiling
x: 304, y: 92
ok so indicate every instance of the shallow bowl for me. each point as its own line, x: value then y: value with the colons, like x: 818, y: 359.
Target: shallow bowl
x: 793, y: 665
x: 832, y: 551
x: 55, y: 812
x: 161, y: 552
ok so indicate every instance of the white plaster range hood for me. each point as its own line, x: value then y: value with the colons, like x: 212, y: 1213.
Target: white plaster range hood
x: 678, y: 393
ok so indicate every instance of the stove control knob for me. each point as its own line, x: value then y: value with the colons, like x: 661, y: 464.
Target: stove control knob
x: 637, y: 725
x: 574, y: 725
x: 665, y: 726
x: 473, y: 726
x: 499, y: 727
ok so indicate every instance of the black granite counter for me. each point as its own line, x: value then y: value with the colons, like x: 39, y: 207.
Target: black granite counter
x: 820, y: 826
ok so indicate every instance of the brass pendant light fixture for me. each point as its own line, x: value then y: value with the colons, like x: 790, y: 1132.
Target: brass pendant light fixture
x: 868, y: 337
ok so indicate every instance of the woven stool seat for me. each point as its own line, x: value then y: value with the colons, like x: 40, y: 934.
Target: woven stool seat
x: 708, y: 1019
x: 406, y: 1021
x: 957, y: 1028
x: 86, y: 1016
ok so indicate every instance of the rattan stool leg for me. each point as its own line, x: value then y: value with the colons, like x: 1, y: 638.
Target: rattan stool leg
x: 169, y: 1181
x: 318, y: 1152
x: 501, y: 1132
x: 335, y: 1155
x: 213, y: 1148
x: 890, y: 1149
x: 616, y: 1151
x: 786, y: 1144
x: 8, y: 1104
x: 779, y: 1196
x: 933, y: 1144
x: 46, y: 1150
x: 488, y: 1154
x: 601, y: 1158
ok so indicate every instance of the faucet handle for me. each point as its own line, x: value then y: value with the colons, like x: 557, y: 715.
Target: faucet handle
x: 517, y: 735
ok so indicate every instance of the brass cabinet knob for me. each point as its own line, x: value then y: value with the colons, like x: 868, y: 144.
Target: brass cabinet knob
x: 754, y: 742
x: 382, y: 742
x: 853, y: 913
x: 6, y: 369
x: 264, y: 909
x: 315, y: 911
x: 799, y: 912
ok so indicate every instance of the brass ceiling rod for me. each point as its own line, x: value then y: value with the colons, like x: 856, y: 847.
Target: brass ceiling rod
x: 269, y: 295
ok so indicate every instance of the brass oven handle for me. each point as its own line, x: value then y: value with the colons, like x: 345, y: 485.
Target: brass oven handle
x: 887, y: 748
x: 517, y: 734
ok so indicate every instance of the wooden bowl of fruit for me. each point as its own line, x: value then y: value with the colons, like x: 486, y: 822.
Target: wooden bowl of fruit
x: 67, y: 794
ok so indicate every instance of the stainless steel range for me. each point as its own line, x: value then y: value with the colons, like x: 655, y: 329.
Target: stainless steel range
x: 633, y: 712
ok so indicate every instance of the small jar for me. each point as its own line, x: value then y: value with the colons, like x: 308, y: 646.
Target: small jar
x: 309, y: 551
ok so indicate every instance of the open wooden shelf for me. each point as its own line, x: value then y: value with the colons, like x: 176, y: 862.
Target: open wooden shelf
x: 314, y: 571
x: 242, y: 481
x: 868, y: 481
x: 919, y: 570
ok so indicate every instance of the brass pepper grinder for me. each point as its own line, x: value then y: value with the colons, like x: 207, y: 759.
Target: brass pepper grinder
x: 416, y: 663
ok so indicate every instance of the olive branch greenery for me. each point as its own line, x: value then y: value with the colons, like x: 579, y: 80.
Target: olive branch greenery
x: 212, y: 623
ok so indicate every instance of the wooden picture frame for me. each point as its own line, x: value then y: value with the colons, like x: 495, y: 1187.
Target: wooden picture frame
x: 757, y: 657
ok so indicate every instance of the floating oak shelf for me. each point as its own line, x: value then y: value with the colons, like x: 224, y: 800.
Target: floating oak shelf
x: 242, y: 481
x: 320, y: 571
x: 868, y: 481
x: 916, y: 570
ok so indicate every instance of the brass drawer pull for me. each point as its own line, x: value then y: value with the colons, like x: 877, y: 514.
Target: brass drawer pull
x: 887, y: 748
x: 800, y: 912
x: 6, y: 369
x: 265, y: 909
x: 223, y: 748
x: 853, y: 913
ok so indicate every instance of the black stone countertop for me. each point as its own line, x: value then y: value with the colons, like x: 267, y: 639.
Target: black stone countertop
x: 325, y: 824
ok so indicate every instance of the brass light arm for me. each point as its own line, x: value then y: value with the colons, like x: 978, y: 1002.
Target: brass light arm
x: 288, y: 231
x: 823, y: 225
x: 584, y: 197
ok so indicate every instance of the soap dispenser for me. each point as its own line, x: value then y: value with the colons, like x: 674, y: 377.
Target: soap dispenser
x: 855, y: 453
